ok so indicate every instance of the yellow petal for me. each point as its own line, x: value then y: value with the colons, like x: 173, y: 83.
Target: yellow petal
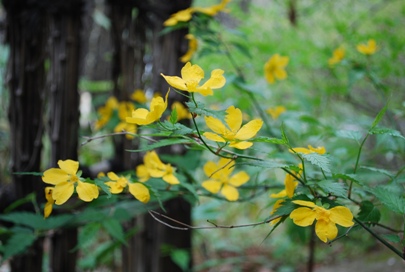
x: 139, y: 117
x: 302, y: 150
x: 139, y: 191
x: 69, y: 166
x: 115, y: 188
x: 239, y: 179
x: 171, y: 179
x: 326, y: 230
x: 241, y: 145
x: 209, y: 168
x: 112, y: 176
x: 320, y: 149
x: 48, y: 194
x: 249, y: 130
x: 216, y: 81
x: 305, y: 203
x: 280, y: 194
x: 215, y: 125
x: 214, y: 137
x: 233, y: 118
x: 211, y: 186
x: 341, y: 216
x: 290, y: 185
x: 303, y: 216
x: 230, y: 192
x: 280, y: 74
x: 142, y: 173
x: 55, y: 176
x: 62, y: 192
x: 192, y: 73
x: 87, y: 191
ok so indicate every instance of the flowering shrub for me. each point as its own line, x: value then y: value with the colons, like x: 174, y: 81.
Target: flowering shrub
x: 319, y: 185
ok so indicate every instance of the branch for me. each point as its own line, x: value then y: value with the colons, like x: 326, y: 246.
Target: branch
x: 215, y: 226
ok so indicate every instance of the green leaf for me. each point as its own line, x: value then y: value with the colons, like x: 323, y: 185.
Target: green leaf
x: 285, y: 209
x: 378, y: 117
x: 387, y: 131
x: 87, y: 235
x: 18, y: 243
x: 161, y: 143
x: 180, y: 129
x: 101, y: 183
x: 332, y: 187
x: 316, y: 159
x: 351, y: 177
x: 29, y: 173
x: 350, y: 134
x: 114, y: 228
x: 284, y: 136
x: 201, y: 110
x: 390, y: 198
x: 173, y: 116
x: 181, y: 257
x: 263, y: 139
x: 379, y: 170
x: 369, y: 213
x: 28, y: 219
x: 393, y: 238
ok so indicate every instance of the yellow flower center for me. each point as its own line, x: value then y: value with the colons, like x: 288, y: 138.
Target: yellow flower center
x: 322, y: 214
x: 74, y: 179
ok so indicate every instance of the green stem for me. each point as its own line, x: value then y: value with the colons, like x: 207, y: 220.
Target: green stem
x: 388, y: 245
x: 349, y: 193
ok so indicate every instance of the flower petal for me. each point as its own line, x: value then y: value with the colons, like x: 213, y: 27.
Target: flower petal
x: 280, y: 194
x: 230, y: 192
x: 176, y: 82
x: 341, y: 216
x: 215, y: 125
x: 249, y: 130
x: 241, y: 145
x: 62, y: 192
x: 87, y: 191
x: 212, y: 186
x: 142, y: 173
x: 214, y: 137
x: 192, y: 73
x: 112, y: 176
x: 171, y: 179
x: 115, y: 188
x: 55, y: 176
x: 139, y: 191
x: 233, y: 118
x: 305, y: 203
x: 139, y: 117
x: 326, y: 230
x: 69, y: 166
x: 303, y: 216
x: 239, y: 179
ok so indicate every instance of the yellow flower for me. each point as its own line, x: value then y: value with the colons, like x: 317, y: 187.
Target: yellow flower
x: 276, y: 205
x: 182, y: 112
x: 155, y: 168
x: 290, y: 184
x: 325, y: 227
x: 337, y: 56
x: 124, y: 110
x: 192, y: 47
x: 118, y: 183
x: 275, y: 68
x: 180, y: 16
x: 145, y: 117
x: 213, y: 10
x: 234, y: 133
x: 49, y: 201
x: 65, y: 180
x: 320, y: 150
x: 276, y: 111
x: 139, y: 96
x: 105, y: 112
x: 367, y: 49
x: 220, y: 180
x: 191, y: 76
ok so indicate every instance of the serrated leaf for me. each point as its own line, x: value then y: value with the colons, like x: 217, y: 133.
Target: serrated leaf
x: 173, y: 116
x: 351, y: 177
x: 18, y: 243
x: 263, y: 139
x: 332, y: 187
x: 379, y: 170
x: 387, y: 131
x: 390, y: 198
x: 285, y: 209
x: 350, y: 134
x: 316, y: 159
x: 114, y: 228
x: 180, y: 129
x: 284, y: 135
x: 87, y: 235
x: 161, y: 143
x: 35, y: 221
x: 201, y: 110
x: 368, y: 212
x: 101, y: 183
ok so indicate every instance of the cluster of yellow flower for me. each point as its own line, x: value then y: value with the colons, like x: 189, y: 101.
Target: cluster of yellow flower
x: 366, y: 49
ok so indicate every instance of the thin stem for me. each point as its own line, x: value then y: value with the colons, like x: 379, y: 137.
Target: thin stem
x: 349, y: 193
x: 392, y: 248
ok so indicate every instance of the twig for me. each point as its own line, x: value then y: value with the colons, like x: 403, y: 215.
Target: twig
x: 215, y: 226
